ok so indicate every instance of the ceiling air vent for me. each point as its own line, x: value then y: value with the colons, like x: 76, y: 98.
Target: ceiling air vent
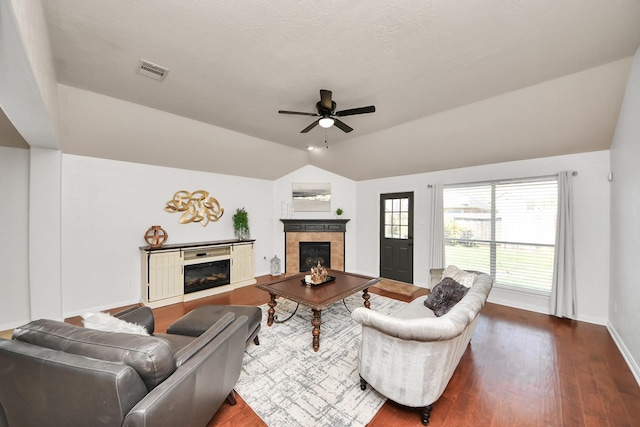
x: 152, y: 70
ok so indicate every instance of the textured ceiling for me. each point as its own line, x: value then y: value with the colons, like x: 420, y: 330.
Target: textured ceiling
x: 427, y: 66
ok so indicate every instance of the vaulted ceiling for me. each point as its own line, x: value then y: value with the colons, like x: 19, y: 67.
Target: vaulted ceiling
x: 455, y: 83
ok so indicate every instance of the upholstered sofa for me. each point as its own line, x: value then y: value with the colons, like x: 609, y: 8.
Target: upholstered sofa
x: 410, y: 356
x: 54, y: 373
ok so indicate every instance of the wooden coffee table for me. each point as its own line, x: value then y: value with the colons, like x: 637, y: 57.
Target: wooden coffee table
x: 317, y: 297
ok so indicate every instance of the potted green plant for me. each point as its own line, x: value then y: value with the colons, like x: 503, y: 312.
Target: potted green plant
x: 339, y: 212
x: 241, y: 224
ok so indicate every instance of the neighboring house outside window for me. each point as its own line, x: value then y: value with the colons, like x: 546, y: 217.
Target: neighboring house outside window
x: 504, y: 228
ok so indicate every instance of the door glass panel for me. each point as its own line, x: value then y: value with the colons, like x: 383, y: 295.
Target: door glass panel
x: 388, y: 231
x: 396, y: 218
x: 404, y: 218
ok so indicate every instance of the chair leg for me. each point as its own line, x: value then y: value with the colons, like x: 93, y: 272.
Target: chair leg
x: 256, y: 341
x: 231, y: 398
x: 363, y: 384
x: 426, y: 414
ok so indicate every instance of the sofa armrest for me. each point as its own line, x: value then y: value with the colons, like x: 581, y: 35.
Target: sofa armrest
x: 197, y: 344
x: 209, y: 374
x: 435, y: 276
x: 142, y: 316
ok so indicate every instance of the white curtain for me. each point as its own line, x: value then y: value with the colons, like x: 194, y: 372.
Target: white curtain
x: 437, y: 227
x: 563, y: 289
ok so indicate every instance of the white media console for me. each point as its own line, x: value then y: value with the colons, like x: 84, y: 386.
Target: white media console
x: 184, y: 272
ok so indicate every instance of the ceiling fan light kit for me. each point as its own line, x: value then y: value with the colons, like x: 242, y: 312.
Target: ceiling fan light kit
x: 328, y: 116
x: 326, y: 122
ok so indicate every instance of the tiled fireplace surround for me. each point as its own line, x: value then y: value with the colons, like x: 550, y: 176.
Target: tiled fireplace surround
x: 313, y: 230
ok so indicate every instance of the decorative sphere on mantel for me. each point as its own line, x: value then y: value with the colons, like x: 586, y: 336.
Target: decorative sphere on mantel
x: 156, y: 236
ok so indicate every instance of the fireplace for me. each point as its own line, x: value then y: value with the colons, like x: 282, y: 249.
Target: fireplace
x: 317, y: 232
x: 206, y: 275
x: 206, y: 269
x: 310, y: 253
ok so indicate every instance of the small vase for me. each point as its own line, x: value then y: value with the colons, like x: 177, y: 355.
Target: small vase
x: 242, y: 234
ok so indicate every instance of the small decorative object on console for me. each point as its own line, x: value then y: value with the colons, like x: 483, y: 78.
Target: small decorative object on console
x: 275, y: 266
x: 156, y: 236
x: 318, y: 274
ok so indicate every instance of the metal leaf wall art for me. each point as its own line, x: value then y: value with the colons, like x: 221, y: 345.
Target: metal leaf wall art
x: 197, y: 207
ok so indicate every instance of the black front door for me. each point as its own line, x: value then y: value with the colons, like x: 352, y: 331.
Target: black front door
x: 396, y: 236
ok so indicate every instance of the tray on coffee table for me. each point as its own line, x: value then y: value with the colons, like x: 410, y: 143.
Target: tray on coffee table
x: 327, y: 280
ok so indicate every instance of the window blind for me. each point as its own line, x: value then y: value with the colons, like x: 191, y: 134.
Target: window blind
x: 504, y: 228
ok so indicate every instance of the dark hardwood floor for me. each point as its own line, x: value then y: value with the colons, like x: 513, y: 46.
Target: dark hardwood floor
x: 521, y: 369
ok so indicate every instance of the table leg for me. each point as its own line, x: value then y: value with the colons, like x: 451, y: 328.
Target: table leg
x: 272, y: 310
x: 366, y: 296
x: 316, y: 322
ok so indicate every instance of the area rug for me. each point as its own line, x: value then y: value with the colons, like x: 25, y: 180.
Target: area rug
x: 396, y: 287
x: 288, y: 384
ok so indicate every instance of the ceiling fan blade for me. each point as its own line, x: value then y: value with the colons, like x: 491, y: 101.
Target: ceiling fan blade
x: 299, y: 113
x: 353, y: 111
x: 325, y: 99
x: 342, y: 126
x: 311, y: 126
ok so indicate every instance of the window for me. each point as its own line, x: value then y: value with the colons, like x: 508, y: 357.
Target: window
x: 505, y: 228
x: 396, y: 218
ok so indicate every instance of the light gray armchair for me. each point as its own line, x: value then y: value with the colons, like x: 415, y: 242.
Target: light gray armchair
x: 411, y: 355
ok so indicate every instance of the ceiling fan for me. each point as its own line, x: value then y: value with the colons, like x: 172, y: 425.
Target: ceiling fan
x: 328, y: 114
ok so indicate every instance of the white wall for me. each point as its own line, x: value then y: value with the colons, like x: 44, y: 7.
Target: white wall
x: 14, y: 237
x: 343, y: 195
x: 625, y: 232
x: 591, y: 198
x: 107, y: 206
x: 45, y: 233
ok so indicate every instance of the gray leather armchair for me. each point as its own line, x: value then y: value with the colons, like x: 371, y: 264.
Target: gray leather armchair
x: 54, y: 373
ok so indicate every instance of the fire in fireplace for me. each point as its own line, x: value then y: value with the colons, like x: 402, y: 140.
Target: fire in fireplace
x: 312, y: 252
x: 206, y: 275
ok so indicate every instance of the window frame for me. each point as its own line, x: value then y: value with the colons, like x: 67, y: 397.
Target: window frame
x: 493, y: 242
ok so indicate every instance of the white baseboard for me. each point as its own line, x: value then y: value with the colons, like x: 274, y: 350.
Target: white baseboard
x: 635, y: 370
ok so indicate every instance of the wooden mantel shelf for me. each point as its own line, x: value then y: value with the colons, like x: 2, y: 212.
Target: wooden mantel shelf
x: 314, y: 225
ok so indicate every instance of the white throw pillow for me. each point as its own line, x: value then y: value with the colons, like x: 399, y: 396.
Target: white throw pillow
x: 106, y: 322
x: 460, y: 276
